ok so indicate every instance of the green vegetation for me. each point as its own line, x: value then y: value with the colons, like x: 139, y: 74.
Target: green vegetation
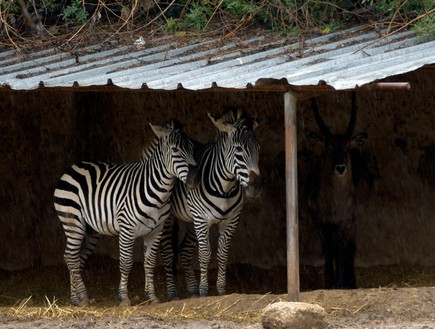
x: 74, y: 12
x: 286, y: 16
x: 317, y: 15
x: 425, y: 27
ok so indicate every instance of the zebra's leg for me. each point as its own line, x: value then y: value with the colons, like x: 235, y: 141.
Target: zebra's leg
x: 202, y: 230
x: 187, y: 250
x: 126, y: 241
x: 75, y: 234
x: 167, y: 255
x: 151, y: 248
x: 90, y: 242
x: 226, y: 232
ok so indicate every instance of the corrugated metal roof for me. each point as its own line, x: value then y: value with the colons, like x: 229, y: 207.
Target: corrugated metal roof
x: 342, y: 60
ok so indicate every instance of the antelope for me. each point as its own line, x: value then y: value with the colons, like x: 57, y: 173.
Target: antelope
x: 332, y: 200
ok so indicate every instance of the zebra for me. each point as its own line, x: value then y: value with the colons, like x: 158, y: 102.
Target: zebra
x: 127, y: 200
x: 229, y: 171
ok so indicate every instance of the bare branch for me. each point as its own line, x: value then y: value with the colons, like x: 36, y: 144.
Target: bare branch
x: 33, y: 23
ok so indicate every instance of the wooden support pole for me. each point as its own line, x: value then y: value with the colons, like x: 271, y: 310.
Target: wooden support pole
x: 293, y: 286
x: 291, y: 98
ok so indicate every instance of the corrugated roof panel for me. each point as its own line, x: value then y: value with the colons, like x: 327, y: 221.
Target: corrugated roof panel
x: 70, y: 70
x: 182, y: 59
x: 344, y: 59
x: 313, y: 63
x: 250, y: 68
x: 349, y: 72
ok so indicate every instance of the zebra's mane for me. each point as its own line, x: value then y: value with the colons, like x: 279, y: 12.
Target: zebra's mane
x: 149, y: 149
x: 237, y: 117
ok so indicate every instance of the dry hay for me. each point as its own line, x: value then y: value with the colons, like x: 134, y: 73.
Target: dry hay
x: 44, y: 294
x: 384, y: 306
x: 234, y: 307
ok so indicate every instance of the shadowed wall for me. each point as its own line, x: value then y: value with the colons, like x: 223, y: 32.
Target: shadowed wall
x: 45, y: 132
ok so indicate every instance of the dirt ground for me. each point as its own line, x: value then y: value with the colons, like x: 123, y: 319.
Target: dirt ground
x: 388, y: 297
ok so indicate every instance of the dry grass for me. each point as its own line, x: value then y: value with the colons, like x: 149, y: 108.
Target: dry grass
x: 234, y: 307
x: 44, y: 293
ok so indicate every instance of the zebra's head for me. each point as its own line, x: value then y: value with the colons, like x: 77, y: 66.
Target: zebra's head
x: 241, y: 148
x: 177, y: 151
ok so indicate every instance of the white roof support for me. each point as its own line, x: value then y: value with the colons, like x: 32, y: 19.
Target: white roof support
x: 291, y: 176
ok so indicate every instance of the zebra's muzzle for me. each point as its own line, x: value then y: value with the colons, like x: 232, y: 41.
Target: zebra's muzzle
x: 255, y: 185
x: 193, y: 177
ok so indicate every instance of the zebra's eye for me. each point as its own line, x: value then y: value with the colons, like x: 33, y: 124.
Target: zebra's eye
x: 174, y: 149
x: 239, y: 149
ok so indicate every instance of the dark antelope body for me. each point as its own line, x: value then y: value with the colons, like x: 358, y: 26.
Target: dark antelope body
x: 332, y: 200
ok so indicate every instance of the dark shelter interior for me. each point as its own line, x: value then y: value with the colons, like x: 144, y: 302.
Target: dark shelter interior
x: 45, y: 131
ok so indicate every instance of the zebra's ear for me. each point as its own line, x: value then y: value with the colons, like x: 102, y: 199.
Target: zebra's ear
x: 160, y: 131
x: 255, y: 122
x: 222, y: 126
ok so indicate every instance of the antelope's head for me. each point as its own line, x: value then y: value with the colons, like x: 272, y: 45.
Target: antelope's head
x: 338, y: 146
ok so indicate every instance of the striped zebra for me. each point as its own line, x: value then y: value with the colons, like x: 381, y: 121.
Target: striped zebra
x: 229, y: 171
x: 127, y: 200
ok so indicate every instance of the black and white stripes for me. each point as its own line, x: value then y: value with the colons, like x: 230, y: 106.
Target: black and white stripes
x: 130, y: 200
x: 228, y: 171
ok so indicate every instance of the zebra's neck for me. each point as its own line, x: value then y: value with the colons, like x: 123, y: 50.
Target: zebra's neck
x: 155, y: 171
x: 217, y: 179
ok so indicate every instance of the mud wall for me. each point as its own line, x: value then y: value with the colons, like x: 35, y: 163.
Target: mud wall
x: 45, y: 132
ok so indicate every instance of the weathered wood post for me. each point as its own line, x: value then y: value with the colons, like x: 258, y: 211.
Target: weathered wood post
x: 290, y: 106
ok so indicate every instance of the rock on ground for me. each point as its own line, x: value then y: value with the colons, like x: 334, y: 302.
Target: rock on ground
x: 283, y: 315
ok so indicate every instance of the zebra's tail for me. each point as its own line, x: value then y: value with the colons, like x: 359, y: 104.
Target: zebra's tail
x: 174, y: 244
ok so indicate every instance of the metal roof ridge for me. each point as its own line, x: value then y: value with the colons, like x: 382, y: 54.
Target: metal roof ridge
x: 282, y: 62
x: 374, y: 72
x: 250, y: 58
x: 166, y: 65
x: 80, y: 69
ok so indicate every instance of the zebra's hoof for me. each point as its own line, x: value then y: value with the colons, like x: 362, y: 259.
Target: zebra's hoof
x: 136, y: 299
x: 154, y: 301
x: 194, y: 293
x: 125, y: 302
x: 172, y: 296
x: 81, y: 303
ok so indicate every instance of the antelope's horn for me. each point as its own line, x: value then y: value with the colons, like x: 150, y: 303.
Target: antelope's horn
x: 352, y: 121
x: 325, y: 131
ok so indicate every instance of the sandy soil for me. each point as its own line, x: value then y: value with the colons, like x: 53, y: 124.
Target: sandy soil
x: 407, y: 301
x: 363, y: 308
